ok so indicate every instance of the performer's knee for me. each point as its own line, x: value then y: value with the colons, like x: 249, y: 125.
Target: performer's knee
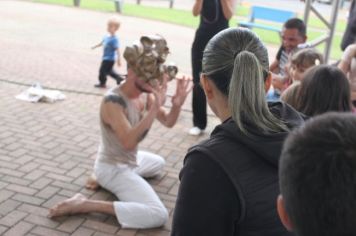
x: 159, y: 216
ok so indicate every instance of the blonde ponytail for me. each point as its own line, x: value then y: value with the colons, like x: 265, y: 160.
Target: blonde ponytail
x: 237, y: 62
x: 247, y: 95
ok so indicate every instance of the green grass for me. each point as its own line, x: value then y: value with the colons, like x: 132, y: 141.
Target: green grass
x: 180, y: 17
x: 185, y: 18
x: 316, y: 23
x: 242, y: 11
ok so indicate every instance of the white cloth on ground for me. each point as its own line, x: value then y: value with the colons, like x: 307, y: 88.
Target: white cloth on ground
x: 37, y: 94
x: 138, y: 205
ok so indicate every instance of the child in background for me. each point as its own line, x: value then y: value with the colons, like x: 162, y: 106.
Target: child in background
x: 303, y: 60
x: 111, y: 53
x: 299, y: 64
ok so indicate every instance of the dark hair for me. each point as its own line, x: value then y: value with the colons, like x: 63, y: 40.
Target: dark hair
x: 295, y: 23
x: 317, y: 176
x: 324, y: 88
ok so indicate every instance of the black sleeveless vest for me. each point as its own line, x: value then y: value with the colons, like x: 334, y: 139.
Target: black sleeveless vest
x: 251, y: 164
x: 212, y: 17
x: 256, y: 185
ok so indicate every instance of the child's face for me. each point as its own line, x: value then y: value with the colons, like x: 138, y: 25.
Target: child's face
x: 297, y: 72
x: 112, y: 27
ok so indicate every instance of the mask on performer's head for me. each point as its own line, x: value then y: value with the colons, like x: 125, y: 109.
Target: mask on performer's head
x: 147, y: 57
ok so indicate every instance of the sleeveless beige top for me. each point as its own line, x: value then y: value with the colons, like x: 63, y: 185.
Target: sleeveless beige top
x: 110, y: 149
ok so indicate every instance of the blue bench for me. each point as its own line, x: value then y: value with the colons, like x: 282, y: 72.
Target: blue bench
x: 267, y: 14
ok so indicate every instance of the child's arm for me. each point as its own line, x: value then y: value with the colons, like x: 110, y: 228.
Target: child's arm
x: 97, y: 45
x: 279, y: 82
x: 274, y: 67
x: 118, y: 57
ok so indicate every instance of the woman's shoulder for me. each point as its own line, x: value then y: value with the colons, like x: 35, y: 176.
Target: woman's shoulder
x: 214, y: 142
x: 198, y: 161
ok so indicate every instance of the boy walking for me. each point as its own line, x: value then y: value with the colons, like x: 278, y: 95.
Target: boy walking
x: 111, y: 53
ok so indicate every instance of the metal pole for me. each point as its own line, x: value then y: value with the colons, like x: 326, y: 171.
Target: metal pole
x: 171, y: 2
x: 334, y: 13
x: 308, y: 5
x: 342, y: 3
x: 321, y: 17
x: 76, y: 3
x: 118, y: 5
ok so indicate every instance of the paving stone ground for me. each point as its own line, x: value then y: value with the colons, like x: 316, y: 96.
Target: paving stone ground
x: 47, y: 150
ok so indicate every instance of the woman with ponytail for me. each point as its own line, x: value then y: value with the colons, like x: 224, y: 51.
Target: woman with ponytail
x: 229, y: 183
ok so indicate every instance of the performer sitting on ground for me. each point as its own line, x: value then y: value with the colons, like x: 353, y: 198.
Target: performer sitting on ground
x: 126, y: 115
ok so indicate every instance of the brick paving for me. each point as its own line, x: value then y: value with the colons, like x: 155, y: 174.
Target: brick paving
x: 47, y: 151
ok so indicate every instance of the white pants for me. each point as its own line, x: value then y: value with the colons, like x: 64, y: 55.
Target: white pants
x: 139, y: 205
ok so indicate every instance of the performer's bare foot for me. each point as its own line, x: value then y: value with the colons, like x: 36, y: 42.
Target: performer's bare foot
x: 92, y: 184
x: 70, y: 206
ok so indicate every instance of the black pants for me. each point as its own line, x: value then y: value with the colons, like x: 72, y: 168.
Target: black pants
x: 106, y: 68
x: 199, y: 100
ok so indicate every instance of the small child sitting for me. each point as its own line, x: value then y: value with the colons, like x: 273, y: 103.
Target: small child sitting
x: 111, y: 53
x: 303, y: 60
x: 299, y: 64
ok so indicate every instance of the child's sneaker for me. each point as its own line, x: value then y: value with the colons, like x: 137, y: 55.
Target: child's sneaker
x: 119, y: 80
x: 99, y: 85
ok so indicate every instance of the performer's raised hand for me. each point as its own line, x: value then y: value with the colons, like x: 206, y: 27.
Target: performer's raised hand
x: 159, y: 91
x: 163, y: 88
x: 183, y: 88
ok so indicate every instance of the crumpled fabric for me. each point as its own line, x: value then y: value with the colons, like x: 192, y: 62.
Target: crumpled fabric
x: 147, y: 59
x: 37, y: 94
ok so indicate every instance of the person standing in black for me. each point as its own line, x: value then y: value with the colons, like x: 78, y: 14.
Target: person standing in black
x: 214, y: 17
x: 350, y: 32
